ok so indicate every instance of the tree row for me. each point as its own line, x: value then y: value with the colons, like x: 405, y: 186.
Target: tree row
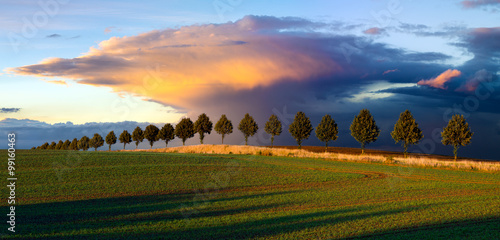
x: 363, y: 128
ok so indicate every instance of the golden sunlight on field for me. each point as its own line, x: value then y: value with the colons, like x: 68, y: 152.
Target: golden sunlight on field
x: 421, y: 161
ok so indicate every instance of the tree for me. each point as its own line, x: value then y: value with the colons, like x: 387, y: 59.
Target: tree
x: 301, y: 128
x: 74, y: 144
x: 125, y: 138
x: 327, y: 130
x: 137, y: 136
x: 273, y: 127
x: 151, y: 134
x: 66, y: 145
x: 248, y: 127
x: 224, y: 126
x: 456, y: 133
x: 111, y: 139
x: 167, y: 133
x: 59, y: 145
x: 364, y: 129
x: 184, y: 130
x: 96, y: 142
x: 52, y: 146
x: 83, y: 143
x: 406, y: 130
x: 45, y: 146
x: 203, y: 125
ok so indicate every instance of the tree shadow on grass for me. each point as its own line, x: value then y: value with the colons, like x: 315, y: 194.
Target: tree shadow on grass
x: 92, y: 218
x: 57, y: 217
x: 487, y: 228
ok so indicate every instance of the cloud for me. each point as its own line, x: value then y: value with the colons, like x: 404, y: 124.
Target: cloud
x: 108, y: 30
x: 374, y: 31
x: 439, y: 81
x: 481, y: 76
x: 59, y: 82
x: 179, y: 66
x: 9, y: 110
x: 54, y: 36
x: 479, y: 3
x: 483, y: 42
x: 220, y: 68
x: 390, y: 71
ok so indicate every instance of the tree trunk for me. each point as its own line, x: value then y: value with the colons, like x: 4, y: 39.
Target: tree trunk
x: 222, y: 139
x: 406, y: 150
x: 183, y: 142
x: 109, y: 150
x: 272, y: 141
x: 455, y: 151
x: 326, y: 146
x: 246, y: 140
x: 124, y: 146
x: 362, y: 148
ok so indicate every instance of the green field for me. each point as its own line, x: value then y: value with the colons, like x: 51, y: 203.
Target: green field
x: 143, y: 195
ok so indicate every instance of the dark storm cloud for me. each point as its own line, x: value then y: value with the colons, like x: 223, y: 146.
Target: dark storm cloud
x: 484, y: 43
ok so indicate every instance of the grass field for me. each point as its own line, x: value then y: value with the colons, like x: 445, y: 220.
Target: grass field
x: 148, y: 195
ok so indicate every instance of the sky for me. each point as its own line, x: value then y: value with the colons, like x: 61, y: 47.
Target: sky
x: 72, y: 68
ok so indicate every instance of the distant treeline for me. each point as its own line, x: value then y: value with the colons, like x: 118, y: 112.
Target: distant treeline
x: 363, y: 129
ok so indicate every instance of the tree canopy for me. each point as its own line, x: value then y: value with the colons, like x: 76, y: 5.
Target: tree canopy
x: 364, y: 129
x: 203, y: 125
x: 248, y: 127
x: 83, y: 143
x: 301, y: 128
x: 151, y: 134
x: 74, y: 144
x: 327, y: 130
x: 137, y: 136
x: 125, y: 138
x: 59, y: 145
x: 184, y: 130
x: 96, y: 142
x: 111, y: 139
x: 273, y: 127
x: 224, y: 127
x: 407, y: 131
x: 456, y: 133
x: 167, y: 133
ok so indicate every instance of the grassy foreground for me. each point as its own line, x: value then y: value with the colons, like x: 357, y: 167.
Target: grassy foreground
x: 148, y: 195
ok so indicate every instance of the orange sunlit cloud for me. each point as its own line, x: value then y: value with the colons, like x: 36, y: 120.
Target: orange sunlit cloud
x: 390, y: 71
x: 373, y: 31
x: 439, y: 81
x: 178, y: 66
